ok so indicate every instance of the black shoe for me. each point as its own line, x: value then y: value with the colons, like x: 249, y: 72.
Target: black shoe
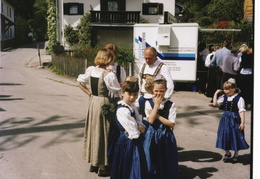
x: 213, y: 105
x: 103, y: 173
x: 234, y: 159
x: 93, y: 169
x: 226, y: 157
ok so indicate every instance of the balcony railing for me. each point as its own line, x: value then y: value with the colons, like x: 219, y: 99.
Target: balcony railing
x: 127, y: 17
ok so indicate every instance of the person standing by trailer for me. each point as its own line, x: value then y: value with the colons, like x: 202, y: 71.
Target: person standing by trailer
x: 202, y: 69
x: 152, y: 67
x: 218, y: 59
x: 230, y: 65
x: 246, y: 75
x: 211, y: 75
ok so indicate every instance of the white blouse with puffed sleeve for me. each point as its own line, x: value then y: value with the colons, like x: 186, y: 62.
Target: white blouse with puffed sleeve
x: 129, y: 123
x: 110, y: 79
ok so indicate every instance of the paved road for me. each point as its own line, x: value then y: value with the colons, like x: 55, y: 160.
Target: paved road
x: 42, y: 123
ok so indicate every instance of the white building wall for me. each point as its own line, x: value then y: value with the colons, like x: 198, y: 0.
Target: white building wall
x: 131, y: 5
x: 8, y: 11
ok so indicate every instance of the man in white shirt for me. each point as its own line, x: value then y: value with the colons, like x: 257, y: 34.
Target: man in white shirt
x: 152, y: 67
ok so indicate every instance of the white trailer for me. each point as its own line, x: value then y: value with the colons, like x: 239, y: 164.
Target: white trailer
x: 176, y: 44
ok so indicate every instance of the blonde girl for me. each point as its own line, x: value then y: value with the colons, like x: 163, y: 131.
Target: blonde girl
x: 231, y: 127
x: 97, y: 82
x: 160, y: 143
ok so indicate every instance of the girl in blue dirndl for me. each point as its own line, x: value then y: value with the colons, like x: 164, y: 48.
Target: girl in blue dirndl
x: 160, y: 143
x: 230, y: 134
x: 129, y: 160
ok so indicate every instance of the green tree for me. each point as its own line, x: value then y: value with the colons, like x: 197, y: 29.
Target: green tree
x: 86, y: 34
x: 51, y: 22
x: 231, y: 10
x: 71, y: 35
x: 39, y: 22
x: 193, y: 10
x: 21, y: 31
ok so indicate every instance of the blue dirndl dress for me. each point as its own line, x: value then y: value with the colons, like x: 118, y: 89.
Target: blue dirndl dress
x: 230, y: 137
x: 141, y: 102
x: 129, y: 160
x: 161, y: 148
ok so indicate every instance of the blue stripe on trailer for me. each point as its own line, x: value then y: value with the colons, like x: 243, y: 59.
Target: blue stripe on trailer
x: 176, y: 56
x: 170, y: 56
x: 141, y: 40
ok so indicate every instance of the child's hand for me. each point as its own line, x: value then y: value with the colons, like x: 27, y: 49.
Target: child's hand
x: 219, y: 91
x: 241, y: 127
x: 141, y: 129
x: 149, y: 111
x: 109, y: 70
x: 158, y: 99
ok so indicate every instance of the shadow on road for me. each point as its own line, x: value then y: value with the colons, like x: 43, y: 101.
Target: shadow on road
x: 203, y: 156
x: 198, y: 156
x: 6, y: 84
x: 202, y: 173
x: 16, y: 133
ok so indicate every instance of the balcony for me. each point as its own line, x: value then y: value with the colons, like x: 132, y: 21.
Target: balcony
x: 125, y: 17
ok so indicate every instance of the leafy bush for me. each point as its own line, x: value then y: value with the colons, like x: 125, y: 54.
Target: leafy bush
x: 124, y: 56
x: 83, y: 34
x: 71, y: 35
x: 51, y: 23
x: 86, y: 52
x: 205, y: 21
x: 86, y: 34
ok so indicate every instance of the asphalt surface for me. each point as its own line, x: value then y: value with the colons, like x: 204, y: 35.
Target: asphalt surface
x: 42, y: 125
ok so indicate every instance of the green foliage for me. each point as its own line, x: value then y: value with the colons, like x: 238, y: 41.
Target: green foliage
x: 21, y: 31
x: 51, y: 23
x: 39, y: 22
x: 71, y: 35
x: 107, y: 109
x: 143, y: 21
x: 84, y: 29
x: 124, y: 55
x: 246, y: 33
x: 30, y: 16
x: 193, y: 10
x: 231, y: 10
x: 83, y: 34
x: 205, y: 21
x: 55, y: 70
x: 85, y: 52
